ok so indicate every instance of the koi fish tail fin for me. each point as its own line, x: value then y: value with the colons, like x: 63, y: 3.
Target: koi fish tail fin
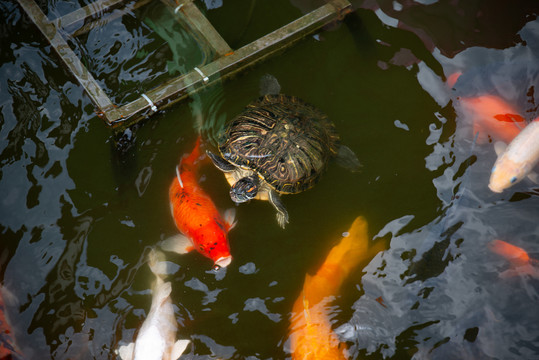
x: 197, y: 152
x: 195, y: 155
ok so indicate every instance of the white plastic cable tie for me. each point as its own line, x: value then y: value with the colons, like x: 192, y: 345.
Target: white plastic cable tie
x: 152, y: 105
x: 178, y: 8
x: 204, y: 77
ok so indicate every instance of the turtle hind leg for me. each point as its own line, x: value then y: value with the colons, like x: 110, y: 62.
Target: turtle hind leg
x: 220, y: 163
x: 348, y: 159
x: 282, y: 214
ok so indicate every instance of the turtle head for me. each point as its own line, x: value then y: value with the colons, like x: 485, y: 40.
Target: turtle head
x: 244, y: 189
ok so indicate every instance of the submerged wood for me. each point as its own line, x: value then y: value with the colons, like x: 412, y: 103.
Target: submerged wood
x: 70, y: 59
x: 226, y: 64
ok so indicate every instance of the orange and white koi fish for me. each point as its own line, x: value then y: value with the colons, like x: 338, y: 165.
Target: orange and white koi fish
x: 311, y: 336
x: 492, y: 116
x: 521, y: 262
x: 517, y: 160
x: 202, y: 227
x: 156, y: 337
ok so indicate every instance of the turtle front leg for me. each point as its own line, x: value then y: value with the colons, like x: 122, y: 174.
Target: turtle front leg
x: 220, y: 163
x: 282, y: 214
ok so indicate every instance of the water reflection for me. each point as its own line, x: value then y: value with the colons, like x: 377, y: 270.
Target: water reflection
x: 452, y: 26
x: 61, y: 307
x: 440, y: 283
x: 75, y: 219
x: 73, y: 289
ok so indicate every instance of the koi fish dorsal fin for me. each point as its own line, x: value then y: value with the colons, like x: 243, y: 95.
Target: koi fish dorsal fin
x: 514, y: 118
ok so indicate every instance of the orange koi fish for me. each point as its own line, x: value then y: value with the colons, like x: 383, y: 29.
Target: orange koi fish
x: 311, y: 336
x: 202, y: 227
x: 521, y: 262
x: 494, y: 117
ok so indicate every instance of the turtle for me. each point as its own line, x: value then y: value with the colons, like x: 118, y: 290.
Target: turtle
x: 279, y: 144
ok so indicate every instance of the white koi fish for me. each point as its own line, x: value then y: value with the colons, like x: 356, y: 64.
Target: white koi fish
x: 517, y: 160
x: 157, y: 335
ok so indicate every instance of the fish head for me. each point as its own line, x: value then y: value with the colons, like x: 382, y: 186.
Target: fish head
x: 223, y: 261
x: 212, y: 242
x: 244, y: 189
x: 220, y: 252
x: 507, y: 172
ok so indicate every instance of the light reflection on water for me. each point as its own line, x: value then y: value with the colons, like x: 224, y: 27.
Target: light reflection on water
x: 77, y: 218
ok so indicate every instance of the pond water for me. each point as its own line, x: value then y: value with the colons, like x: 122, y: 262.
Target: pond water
x: 77, y: 215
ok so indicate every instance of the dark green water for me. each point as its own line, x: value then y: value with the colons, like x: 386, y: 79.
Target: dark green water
x: 76, y: 216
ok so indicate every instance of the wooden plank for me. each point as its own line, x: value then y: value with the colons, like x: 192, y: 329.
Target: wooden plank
x: 68, y: 57
x: 201, y: 28
x: 91, y: 10
x: 226, y: 66
x: 96, y: 10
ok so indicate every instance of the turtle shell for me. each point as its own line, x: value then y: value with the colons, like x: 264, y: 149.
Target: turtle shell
x: 285, y: 140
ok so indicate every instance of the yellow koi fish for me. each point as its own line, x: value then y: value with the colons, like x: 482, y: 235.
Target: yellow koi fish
x: 517, y: 160
x: 311, y: 335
